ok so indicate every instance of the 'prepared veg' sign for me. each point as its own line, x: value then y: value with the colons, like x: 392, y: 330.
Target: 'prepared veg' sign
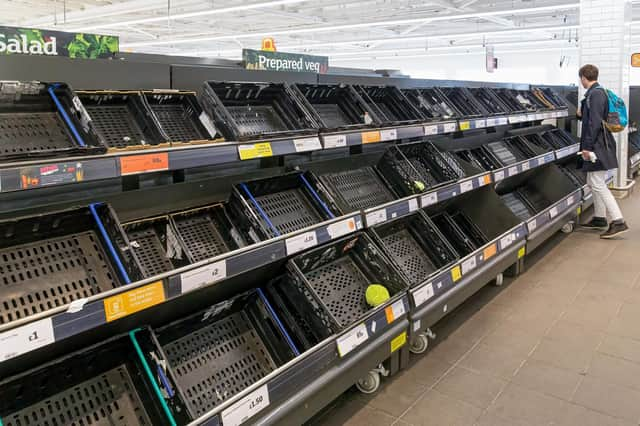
x: 29, y: 41
x: 281, y: 61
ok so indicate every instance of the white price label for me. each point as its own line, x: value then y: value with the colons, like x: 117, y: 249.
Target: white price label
x: 429, y: 199
x: 246, y: 407
x: 468, y: 265
x: 541, y: 161
x: 503, y: 121
x: 423, y: 294
x: 301, y: 242
x: 531, y: 117
x: 208, y: 124
x: 481, y: 181
x: 553, y: 212
x: 449, y: 127
x: 532, y: 225
x: 540, y: 116
x: 525, y: 166
x: 513, y: 171
x: 341, y: 228
x: 307, y: 144
x: 207, y: 274
x: 26, y: 338
x: 491, y: 122
x: 431, y: 130
x: 575, y: 148
x: 499, y: 175
x: 466, y: 186
x: 570, y: 200
x: 388, y: 135
x: 514, y: 119
x: 416, y: 325
x: 479, y: 124
x: 352, y: 339
x: 335, y: 141
x: 376, y: 217
x: 506, y: 241
x: 398, y: 309
x: 413, y: 204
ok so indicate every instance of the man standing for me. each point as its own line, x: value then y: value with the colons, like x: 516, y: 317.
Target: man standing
x: 598, y: 149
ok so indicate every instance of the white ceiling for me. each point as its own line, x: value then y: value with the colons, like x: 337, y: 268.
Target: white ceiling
x: 342, y: 29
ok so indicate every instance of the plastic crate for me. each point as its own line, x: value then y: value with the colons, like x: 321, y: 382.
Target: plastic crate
x: 507, y: 152
x: 43, y: 120
x: 542, y: 143
x: 390, y: 106
x: 156, y: 244
x: 338, y: 274
x: 521, y: 145
x: 479, y: 157
x: 558, y: 138
x: 104, y: 384
x: 489, y: 101
x: 417, y: 167
x: 577, y: 176
x: 509, y: 98
x: 179, y: 116
x: 549, y: 97
x: 280, y: 205
x: 356, y: 189
x: 245, y: 111
x: 415, y: 246
x: 464, y: 102
x: 121, y: 119
x: 433, y: 104
x: 219, y: 352
x: 518, y: 206
x: 336, y: 106
x: 206, y: 232
x: 536, y: 200
x: 72, y: 254
x: 530, y: 101
x: 457, y: 228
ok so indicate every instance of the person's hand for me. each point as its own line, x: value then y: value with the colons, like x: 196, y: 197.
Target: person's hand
x: 578, y: 113
x: 585, y: 155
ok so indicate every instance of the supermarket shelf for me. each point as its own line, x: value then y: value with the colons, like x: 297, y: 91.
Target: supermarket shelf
x: 523, y: 166
x: 40, y: 173
x: 551, y: 219
x: 567, y: 151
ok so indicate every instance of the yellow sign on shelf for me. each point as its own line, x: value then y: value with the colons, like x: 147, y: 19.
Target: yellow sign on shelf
x: 258, y: 150
x: 489, y: 252
x: 132, y: 301
x: 465, y: 125
x: 398, y: 341
x: 370, y: 137
x: 456, y: 274
x: 522, y: 252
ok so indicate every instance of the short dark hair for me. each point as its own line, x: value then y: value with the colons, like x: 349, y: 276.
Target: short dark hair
x: 590, y: 72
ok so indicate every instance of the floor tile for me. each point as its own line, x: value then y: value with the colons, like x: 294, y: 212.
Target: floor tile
x: 577, y: 415
x: 614, y: 400
x: 570, y: 356
x: 615, y: 370
x: 474, y: 388
x: 621, y: 347
x: 397, y: 395
x: 517, y: 402
x: 490, y: 419
x: 434, y: 408
x: 623, y: 327
x: 428, y: 368
x: 498, y: 361
x: 519, y: 341
x: 547, y: 379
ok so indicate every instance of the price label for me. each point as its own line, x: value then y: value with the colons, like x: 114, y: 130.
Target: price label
x: 246, y: 407
x: 465, y: 125
x: 376, y: 217
x: 258, y: 150
x: 469, y: 265
x: 491, y: 122
x: 431, y: 130
x: 506, y: 241
x: 132, y: 301
x: 307, y: 144
x: 456, y: 274
x: 489, y: 252
x: 341, y: 228
x: 335, y: 141
x: 513, y: 171
x: 498, y: 176
x: 531, y: 117
x: 388, y: 135
x: 352, y: 339
x: 208, y: 124
x: 396, y: 310
x: 423, y: 294
x: 199, y: 277
x: 449, y: 127
x: 570, y: 200
x: 133, y: 164
x: 542, y: 160
x: 502, y: 121
x: 301, y: 242
x: 370, y: 137
x: 532, y: 225
x: 398, y: 341
x: 514, y: 119
x: 484, y: 180
x: 479, y: 124
x: 466, y: 186
x: 26, y: 338
x: 413, y: 204
x: 525, y: 166
x: 553, y: 212
x: 540, y: 116
x: 429, y: 199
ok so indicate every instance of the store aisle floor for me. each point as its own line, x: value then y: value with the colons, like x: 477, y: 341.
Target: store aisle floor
x: 559, y: 345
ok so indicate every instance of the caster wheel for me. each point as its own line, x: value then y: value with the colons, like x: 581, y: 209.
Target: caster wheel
x: 419, y: 344
x: 369, y: 383
x: 567, y: 228
x: 499, y: 280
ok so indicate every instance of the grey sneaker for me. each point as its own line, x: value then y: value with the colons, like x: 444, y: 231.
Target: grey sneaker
x: 615, y: 229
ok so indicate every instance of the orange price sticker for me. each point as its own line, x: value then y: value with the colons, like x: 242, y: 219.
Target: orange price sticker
x: 489, y: 252
x: 487, y: 179
x: 370, y: 137
x: 132, y: 164
x: 132, y: 301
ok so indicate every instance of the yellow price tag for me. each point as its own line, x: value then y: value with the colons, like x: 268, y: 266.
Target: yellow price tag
x: 465, y: 125
x: 258, y: 150
x: 522, y: 252
x: 487, y: 179
x: 398, y: 341
x: 456, y: 274
x: 370, y: 137
x: 133, y: 301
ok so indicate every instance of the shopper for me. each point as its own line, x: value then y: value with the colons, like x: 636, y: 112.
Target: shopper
x: 598, y: 149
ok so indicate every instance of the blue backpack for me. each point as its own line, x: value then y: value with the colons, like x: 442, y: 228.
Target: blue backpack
x: 616, y: 119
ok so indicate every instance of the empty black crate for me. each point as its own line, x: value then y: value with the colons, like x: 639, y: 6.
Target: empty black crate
x: 280, y: 205
x: 357, y: 189
x: 38, y: 119
x: 244, y: 111
x: 489, y: 101
x: 530, y: 101
x: 338, y: 274
x: 206, y: 232
x: 464, y: 102
x: 51, y: 260
x: 121, y: 119
x: 460, y: 231
x: 433, y: 104
x: 336, y: 106
x: 549, y: 97
x: 179, y: 116
x: 155, y: 243
x: 415, y: 245
x: 518, y: 205
x: 391, y: 107
x: 577, y: 176
x: 479, y: 157
x: 542, y: 143
x: 104, y: 384
x: 508, y: 151
x: 219, y: 352
x: 558, y: 138
x: 510, y: 99
x: 536, y: 199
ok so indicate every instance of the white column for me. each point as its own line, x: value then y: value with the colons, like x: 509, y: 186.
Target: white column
x: 605, y: 41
